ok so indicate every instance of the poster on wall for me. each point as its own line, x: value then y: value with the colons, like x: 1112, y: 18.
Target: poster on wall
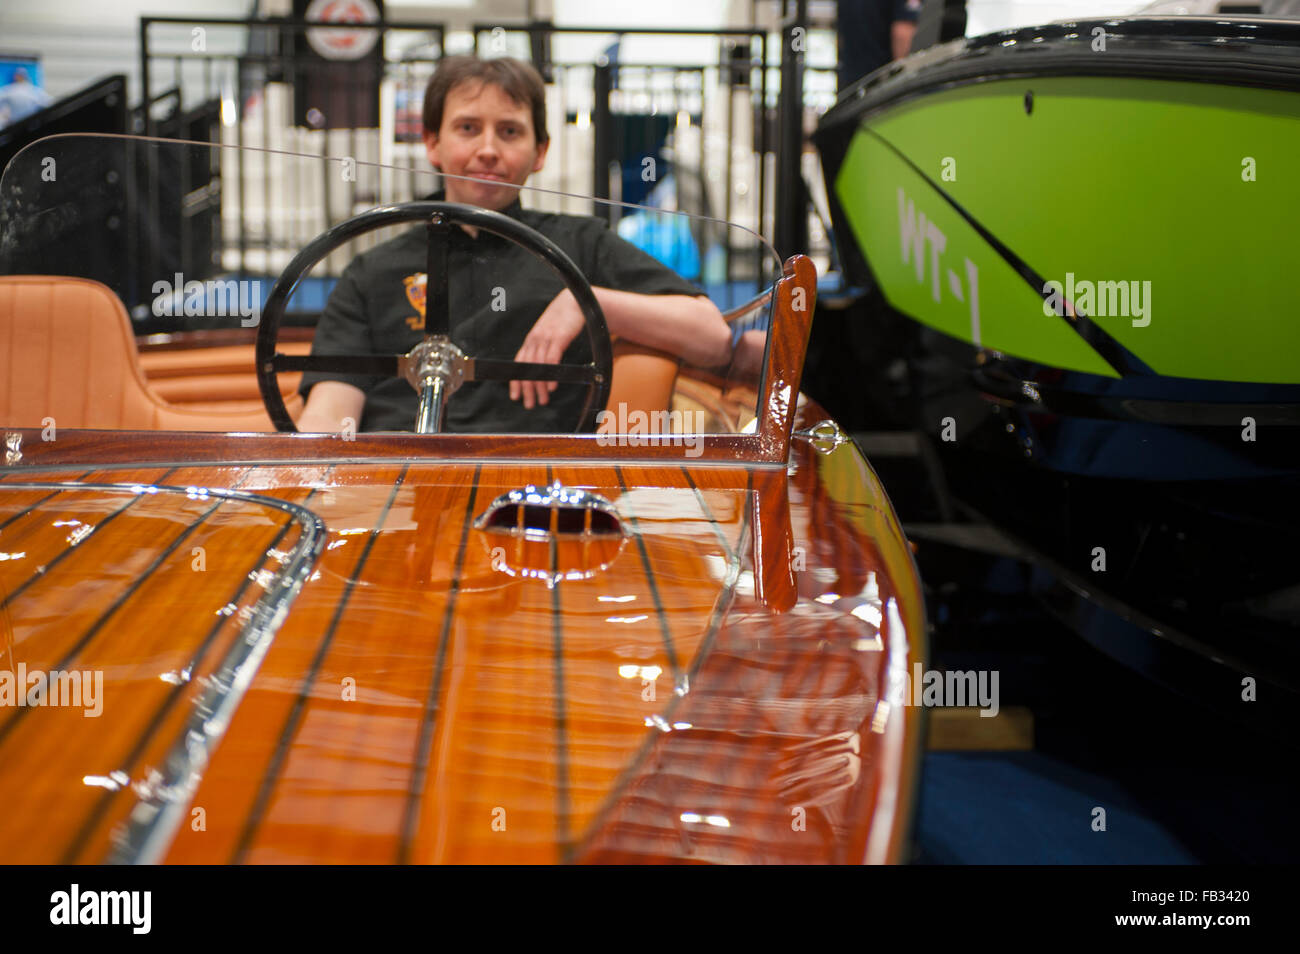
x: 22, y: 90
x: 337, y: 71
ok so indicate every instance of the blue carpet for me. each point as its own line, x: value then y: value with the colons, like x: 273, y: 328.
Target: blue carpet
x: 1022, y: 808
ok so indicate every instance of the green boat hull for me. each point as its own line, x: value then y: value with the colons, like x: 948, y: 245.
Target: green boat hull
x: 1191, y: 192
x: 1081, y: 239
x: 1167, y: 205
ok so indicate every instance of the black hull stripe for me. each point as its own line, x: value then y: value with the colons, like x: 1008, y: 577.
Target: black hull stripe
x: 410, y: 817
x: 1123, y: 361
x: 281, y: 754
x: 563, y: 800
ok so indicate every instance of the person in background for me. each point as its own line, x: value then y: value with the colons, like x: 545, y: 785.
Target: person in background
x: 20, y: 98
x: 873, y: 33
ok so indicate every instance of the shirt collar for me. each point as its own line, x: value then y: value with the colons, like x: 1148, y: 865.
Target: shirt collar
x: 515, y: 209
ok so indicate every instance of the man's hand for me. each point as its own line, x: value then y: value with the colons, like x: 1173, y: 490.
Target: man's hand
x: 546, y: 344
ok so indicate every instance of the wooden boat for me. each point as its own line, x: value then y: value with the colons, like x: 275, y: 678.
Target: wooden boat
x: 324, y: 650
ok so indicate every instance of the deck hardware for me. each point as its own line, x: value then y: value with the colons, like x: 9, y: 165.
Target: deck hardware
x: 553, y: 533
x: 824, y: 436
x: 555, y: 510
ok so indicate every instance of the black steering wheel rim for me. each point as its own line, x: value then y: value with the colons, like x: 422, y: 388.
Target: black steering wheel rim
x: 268, y: 331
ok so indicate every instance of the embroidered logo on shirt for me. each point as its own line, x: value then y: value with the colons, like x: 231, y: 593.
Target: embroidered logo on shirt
x: 415, y: 288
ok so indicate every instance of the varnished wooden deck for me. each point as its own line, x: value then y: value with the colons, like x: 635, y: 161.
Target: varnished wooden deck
x: 421, y: 704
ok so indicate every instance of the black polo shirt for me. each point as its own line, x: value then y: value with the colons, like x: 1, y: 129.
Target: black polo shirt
x: 497, y: 291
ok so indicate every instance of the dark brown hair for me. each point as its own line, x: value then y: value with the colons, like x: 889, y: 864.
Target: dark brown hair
x: 520, y: 80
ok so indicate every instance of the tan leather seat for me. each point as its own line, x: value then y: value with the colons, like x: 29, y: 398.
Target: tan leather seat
x: 212, y: 391
x: 223, y: 359
x: 644, y: 380
x: 67, y: 352
x: 217, y: 378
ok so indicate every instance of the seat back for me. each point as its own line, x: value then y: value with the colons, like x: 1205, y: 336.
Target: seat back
x: 643, y: 381
x: 67, y: 354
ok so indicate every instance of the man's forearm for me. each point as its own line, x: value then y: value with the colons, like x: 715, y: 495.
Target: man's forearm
x: 330, y: 405
x: 685, y: 325
x: 901, y: 38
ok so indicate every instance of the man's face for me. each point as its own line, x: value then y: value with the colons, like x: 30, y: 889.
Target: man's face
x: 486, y: 135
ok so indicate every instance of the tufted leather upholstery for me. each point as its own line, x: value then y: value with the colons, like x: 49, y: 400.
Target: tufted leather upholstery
x: 67, y: 352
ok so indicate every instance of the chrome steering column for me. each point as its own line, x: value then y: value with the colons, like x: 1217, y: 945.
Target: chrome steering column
x: 436, y: 368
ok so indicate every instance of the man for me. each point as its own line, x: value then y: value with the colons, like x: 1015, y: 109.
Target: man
x: 485, y: 129
x: 873, y: 33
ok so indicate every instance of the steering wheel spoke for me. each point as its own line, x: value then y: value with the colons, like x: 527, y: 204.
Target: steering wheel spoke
x: 385, y: 364
x: 488, y: 369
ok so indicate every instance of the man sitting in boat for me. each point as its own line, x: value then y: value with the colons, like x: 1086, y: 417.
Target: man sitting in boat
x: 486, y: 120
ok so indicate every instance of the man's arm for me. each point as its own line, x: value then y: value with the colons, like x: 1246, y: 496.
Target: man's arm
x: 684, y: 325
x: 900, y: 36
x: 687, y: 325
x: 903, y: 28
x: 343, y: 328
x: 329, y: 407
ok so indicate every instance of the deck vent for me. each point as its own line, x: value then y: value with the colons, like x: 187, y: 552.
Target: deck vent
x: 540, y: 512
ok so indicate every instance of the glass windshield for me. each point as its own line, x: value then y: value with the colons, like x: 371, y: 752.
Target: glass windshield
x: 191, y: 239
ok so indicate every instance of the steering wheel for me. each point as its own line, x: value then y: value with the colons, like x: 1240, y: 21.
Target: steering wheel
x: 435, y: 367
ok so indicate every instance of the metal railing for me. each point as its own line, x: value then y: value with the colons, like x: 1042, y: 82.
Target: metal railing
x: 721, y: 135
